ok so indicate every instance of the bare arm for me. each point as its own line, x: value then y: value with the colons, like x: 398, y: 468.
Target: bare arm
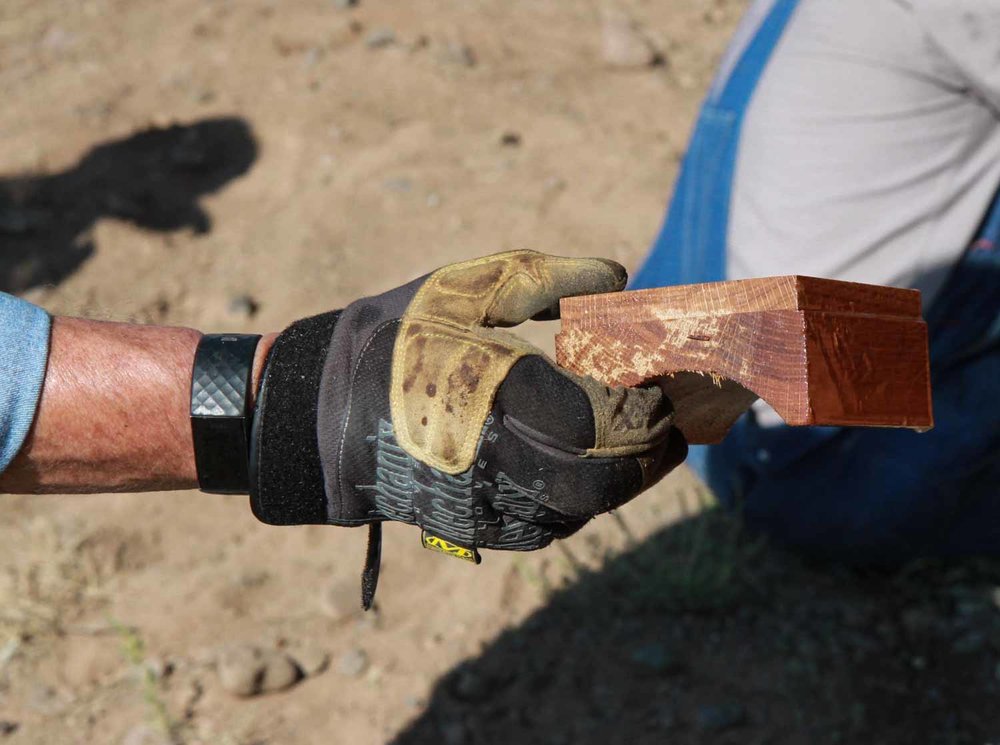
x: 113, y: 414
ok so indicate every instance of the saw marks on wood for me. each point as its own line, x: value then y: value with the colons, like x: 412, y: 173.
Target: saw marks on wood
x: 821, y: 352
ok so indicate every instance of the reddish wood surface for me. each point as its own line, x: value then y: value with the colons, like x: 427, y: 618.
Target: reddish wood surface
x: 821, y: 352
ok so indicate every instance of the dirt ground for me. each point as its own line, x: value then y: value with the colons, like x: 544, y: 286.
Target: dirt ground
x: 238, y: 165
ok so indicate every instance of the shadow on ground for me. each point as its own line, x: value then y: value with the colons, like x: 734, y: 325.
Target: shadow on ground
x: 702, y: 634
x: 152, y: 179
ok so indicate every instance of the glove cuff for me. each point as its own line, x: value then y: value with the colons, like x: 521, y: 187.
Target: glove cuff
x: 286, y: 477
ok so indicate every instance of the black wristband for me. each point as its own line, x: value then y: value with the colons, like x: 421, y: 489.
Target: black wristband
x: 220, y: 411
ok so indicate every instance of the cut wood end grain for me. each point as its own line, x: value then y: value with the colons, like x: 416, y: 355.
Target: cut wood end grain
x: 819, y: 351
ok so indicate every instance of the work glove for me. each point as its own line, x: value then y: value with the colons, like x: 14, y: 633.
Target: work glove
x: 414, y: 406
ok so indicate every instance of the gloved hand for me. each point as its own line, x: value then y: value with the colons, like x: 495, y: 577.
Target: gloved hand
x: 412, y: 406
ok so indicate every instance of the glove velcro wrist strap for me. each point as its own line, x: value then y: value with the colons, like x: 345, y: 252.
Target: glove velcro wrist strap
x: 286, y: 477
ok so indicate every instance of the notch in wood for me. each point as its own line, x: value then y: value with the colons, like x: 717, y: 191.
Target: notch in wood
x: 819, y: 351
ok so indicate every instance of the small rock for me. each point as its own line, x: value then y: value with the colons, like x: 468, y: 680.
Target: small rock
x: 345, y: 4
x: 720, y: 717
x: 352, y: 663
x: 380, y: 37
x: 458, y: 54
x: 510, y: 139
x: 245, y: 670
x: 8, y: 728
x: 311, y: 660
x: 623, y: 45
x: 280, y: 672
x: 655, y: 657
x: 414, y: 702
x: 243, y: 306
x: 158, y: 667
x: 241, y: 669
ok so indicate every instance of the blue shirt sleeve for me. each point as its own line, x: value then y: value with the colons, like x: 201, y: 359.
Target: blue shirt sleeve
x: 24, y: 351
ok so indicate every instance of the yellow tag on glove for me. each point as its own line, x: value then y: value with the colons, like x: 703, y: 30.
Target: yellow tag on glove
x: 442, y: 546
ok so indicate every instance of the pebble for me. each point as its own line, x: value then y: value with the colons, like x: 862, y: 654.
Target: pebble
x: 510, y: 139
x: 158, y: 667
x: 458, y: 54
x: 715, y: 718
x: 280, y: 673
x: 245, y: 670
x: 414, y: 702
x: 240, y: 670
x: 655, y: 657
x: 352, y: 663
x: 345, y: 4
x: 243, y: 306
x: 311, y: 660
x: 380, y: 37
x: 623, y: 45
x: 8, y: 727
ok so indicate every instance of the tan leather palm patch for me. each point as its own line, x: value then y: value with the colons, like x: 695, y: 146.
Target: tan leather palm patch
x: 448, y: 362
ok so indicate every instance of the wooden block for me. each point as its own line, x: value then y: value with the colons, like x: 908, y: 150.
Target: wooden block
x: 821, y: 352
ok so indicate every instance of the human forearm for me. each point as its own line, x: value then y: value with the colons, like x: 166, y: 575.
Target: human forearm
x: 114, y: 411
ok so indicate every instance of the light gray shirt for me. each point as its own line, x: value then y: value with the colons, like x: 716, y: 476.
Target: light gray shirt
x: 871, y: 149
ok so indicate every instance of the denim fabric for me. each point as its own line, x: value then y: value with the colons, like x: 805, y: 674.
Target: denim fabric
x: 24, y: 350
x: 853, y: 494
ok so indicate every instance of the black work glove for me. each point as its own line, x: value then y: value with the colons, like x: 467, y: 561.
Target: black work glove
x: 412, y: 406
